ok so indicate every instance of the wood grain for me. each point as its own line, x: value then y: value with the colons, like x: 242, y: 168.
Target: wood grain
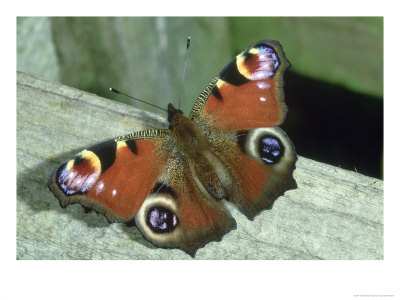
x: 333, y: 214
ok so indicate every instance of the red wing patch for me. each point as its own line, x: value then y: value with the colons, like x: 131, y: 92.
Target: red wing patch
x: 249, y: 91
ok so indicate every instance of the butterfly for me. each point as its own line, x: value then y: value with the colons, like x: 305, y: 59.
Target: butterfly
x: 171, y: 182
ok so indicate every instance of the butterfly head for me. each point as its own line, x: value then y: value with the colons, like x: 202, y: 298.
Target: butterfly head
x: 173, y: 113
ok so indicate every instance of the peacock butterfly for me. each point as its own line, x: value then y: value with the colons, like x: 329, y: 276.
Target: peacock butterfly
x: 170, y: 182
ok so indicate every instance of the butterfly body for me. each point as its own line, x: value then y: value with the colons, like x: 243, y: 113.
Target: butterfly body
x: 171, y: 182
x: 187, y: 136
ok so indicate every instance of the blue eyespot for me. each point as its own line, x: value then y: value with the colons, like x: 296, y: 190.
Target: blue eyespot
x: 161, y: 219
x: 270, y: 149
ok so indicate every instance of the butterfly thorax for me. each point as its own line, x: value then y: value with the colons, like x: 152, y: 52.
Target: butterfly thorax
x: 186, y: 133
x: 201, y: 159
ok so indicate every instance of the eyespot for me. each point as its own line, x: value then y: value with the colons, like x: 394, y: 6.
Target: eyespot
x: 270, y: 149
x: 269, y: 145
x: 158, y: 217
x: 161, y: 220
x: 267, y: 51
x: 79, y: 174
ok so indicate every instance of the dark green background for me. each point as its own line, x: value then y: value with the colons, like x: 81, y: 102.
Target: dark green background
x: 334, y: 89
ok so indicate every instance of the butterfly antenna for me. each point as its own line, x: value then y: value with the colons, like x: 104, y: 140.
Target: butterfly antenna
x: 118, y: 92
x: 184, y: 70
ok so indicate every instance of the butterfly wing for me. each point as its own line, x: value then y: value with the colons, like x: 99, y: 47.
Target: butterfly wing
x: 143, y: 177
x: 261, y: 163
x: 113, y: 178
x: 248, y: 93
x: 192, y: 218
x: 238, y: 112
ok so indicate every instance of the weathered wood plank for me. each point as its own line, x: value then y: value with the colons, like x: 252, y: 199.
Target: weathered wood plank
x: 333, y: 214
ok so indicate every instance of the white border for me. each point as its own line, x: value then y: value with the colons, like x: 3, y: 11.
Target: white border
x: 205, y: 279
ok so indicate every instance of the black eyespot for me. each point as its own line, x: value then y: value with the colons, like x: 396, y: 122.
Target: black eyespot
x: 270, y: 149
x: 161, y: 219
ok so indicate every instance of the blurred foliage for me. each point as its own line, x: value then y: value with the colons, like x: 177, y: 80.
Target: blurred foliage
x: 144, y: 56
x: 335, y: 62
x: 344, y: 51
x: 36, y: 52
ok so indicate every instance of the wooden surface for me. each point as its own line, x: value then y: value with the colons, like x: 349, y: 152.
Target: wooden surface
x: 333, y: 214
